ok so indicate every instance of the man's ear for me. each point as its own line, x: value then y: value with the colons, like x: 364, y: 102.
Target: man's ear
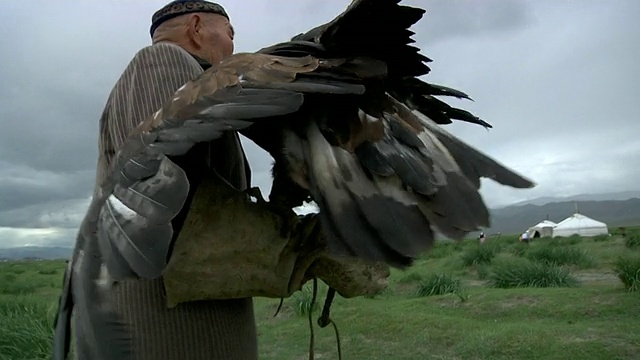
x: 194, y: 30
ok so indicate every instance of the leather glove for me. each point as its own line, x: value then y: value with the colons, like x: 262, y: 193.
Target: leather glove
x: 231, y: 247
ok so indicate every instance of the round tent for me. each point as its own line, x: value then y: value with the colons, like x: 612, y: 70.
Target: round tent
x: 578, y: 224
x: 541, y: 229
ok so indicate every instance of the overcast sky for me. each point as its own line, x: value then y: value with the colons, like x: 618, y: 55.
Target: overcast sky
x: 556, y: 79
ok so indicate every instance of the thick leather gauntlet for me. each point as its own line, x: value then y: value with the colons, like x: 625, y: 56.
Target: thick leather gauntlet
x: 231, y: 247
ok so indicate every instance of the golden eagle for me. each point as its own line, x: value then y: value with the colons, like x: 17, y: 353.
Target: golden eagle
x: 350, y: 124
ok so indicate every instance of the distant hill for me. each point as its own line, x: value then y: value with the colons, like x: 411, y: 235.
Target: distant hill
x: 35, y: 252
x: 517, y: 218
x: 621, y: 195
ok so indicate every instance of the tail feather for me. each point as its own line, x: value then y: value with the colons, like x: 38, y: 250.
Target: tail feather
x: 367, y: 224
x: 473, y: 162
x: 373, y: 160
x: 415, y: 171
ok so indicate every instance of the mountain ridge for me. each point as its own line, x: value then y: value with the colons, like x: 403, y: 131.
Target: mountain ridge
x: 620, y: 195
x: 518, y: 218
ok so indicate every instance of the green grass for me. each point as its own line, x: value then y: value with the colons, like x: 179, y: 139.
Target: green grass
x: 447, y: 306
x: 444, y: 249
x: 303, y: 300
x: 26, y: 328
x: 632, y: 241
x: 565, y: 255
x: 520, y: 272
x: 480, y: 254
x: 439, y: 284
x: 27, y: 278
x: 627, y: 268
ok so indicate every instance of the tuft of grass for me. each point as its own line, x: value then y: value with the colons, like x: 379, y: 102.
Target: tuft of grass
x: 562, y: 256
x: 480, y: 254
x: 627, y: 268
x: 519, y: 249
x: 483, y: 272
x: 601, y: 238
x: 16, y: 269
x: 48, y: 271
x: 443, y: 249
x: 302, y: 300
x: 620, y: 231
x: 520, y: 272
x: 632, y: 241
x: 410, y: 278
x: 11, y: 286
x: 8, y: 277
x: 503, y: 240
x: 439, y: 284
x: 565, y: 241
x: 27, y: 328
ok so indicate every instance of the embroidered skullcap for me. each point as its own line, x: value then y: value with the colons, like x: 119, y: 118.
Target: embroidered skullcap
x: 181, y: 7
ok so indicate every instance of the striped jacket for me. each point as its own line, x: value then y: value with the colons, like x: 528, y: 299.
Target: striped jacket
x: 201, y: 330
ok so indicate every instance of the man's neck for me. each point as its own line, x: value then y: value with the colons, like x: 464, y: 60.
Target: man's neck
x: 203, y: 63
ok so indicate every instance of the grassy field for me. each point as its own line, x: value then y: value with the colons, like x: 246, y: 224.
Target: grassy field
x: 571, y: 298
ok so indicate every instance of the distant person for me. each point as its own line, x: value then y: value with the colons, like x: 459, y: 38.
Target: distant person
x: 482, y: 237
x: 524, y: 237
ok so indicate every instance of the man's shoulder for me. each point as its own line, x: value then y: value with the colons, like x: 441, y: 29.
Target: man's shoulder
x: 162, y: 47
x: 163, y: 52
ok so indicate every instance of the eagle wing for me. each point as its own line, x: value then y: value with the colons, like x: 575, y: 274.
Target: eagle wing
x: 145, y: 189
x: 383, y: 171
x: 349, y: 123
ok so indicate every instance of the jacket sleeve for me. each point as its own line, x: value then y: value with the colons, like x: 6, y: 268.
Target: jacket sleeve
x: 150, y: 79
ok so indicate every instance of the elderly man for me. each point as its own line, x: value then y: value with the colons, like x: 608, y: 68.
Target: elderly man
x: 188, y: 37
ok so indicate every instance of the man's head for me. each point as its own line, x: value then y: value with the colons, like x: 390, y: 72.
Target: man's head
x: 200, y: 27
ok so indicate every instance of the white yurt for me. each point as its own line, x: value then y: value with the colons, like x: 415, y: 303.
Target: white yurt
x: 578, y: 224
x: 542, y: 229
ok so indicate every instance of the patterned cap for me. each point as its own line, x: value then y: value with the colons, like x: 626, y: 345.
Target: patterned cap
x: 181, y: 7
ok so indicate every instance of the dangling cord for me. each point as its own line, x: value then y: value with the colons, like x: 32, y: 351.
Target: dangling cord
x: 313, y: 304
x: 279, y: 307
x: 325, y: 318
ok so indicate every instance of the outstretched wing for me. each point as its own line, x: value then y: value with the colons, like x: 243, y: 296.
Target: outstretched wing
x: 145, y: 189
x: 383, y: 193
x: 348, y: 121
x: 383, y: 171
